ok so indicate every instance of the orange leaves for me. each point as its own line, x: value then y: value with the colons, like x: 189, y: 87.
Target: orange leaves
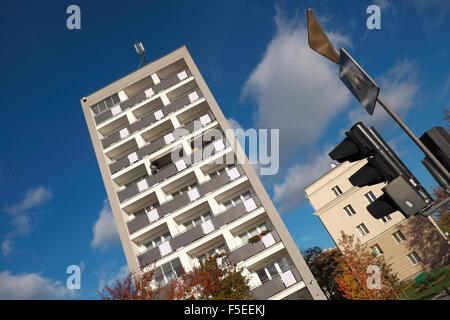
x: 212, y: 280
x: 353, y: 275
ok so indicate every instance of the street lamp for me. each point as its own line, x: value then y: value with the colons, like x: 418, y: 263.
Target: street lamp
x: 359, y: 82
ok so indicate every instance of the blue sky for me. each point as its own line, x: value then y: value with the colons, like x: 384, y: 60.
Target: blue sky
x: 254, y: 58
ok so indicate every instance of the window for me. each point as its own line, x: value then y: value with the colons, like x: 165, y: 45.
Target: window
x: 236, y: 200
x: 337, y: 191
x: 219, y: 172
x: 386, y: 218
x: 350, y: 211
x: 414, y: 258
x: 197, y: 220
x: 272, y: 269
x: 362, y: 229
x: 146, y: 209
x: 376, y: 250
x: 283, y: 264
x: 252, y: 232
x: 399, y: 237
x: 184, y: 189
x: 158, y: 240
x: 370, y: 196
x: 105, y: 104
x: 262, y: 275
x: 167, y: 271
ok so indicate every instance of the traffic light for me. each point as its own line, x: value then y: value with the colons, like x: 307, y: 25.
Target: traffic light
x: 437, y: 140
x: 402, y: 192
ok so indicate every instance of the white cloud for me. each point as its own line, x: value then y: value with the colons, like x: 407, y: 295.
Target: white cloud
x: 108, y: 276
x: 289, y: 194
x: 382, y: 3
x: 104, y: 229
x: 306, y: 238
x: 21, y: 223
x: 27, y: 286
x: 7, y: 246
x: 33, y: 198
x: 297, y: 90
x: 446, y: 87
x: 234, y: 124
x: 398, y: 87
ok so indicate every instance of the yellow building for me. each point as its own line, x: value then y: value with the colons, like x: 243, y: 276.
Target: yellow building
x: 410, y: 245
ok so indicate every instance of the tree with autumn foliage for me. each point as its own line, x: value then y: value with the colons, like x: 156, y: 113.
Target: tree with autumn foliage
x: 443, y: 214
x: 214, y: 279
x: 353, y: 276
x: 136, y: 286
x: 322, y: 264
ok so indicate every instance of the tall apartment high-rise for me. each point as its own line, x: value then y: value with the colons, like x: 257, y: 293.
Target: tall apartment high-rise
x: 410, y: 245
x: 174, y: 193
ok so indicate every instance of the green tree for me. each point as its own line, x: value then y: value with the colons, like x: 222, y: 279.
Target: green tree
x: 323, y: 264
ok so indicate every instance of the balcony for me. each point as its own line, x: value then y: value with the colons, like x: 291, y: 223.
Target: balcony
x: 277, y: 284
x: 168, y: 171
x: 184, y: 199
x: 150, y: 119
x: 157, y: 144
x: 124, y: 105
x: 187, y: 237
x: 248, y: 250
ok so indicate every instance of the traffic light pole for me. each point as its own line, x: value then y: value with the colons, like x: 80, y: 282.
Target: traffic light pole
x: 319, y: 42
x: 413, y: 137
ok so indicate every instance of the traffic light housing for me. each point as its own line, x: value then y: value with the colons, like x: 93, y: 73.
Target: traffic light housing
x: 402, y: 192
x: 437, y: 140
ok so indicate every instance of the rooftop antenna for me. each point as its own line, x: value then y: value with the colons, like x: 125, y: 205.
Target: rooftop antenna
x: 141, y: 52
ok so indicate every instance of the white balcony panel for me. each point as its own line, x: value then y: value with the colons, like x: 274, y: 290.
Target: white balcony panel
x: 142, y: 185
x: 165, y: 248
x: 193, y: 194
x: 153, y: 215
x: 233, y: 173
x: 124, y: 133
x: 133, y: 157
x: 207, y: 227
x: 268, y: 240
x: 249, y: 205
x: 288, y: 278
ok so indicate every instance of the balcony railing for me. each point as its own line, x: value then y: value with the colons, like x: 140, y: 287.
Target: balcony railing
x: 169, y: 171
x: 181, y: 201
x: 124, y: 105
x: 277, y: 284
x: 187, y: 237
x: 150, y: 148
x: 151, y: 119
